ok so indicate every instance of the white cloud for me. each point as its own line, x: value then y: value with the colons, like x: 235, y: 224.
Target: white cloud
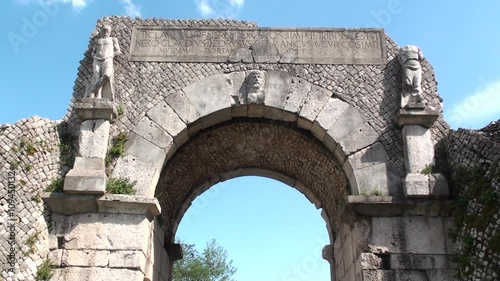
x: 478, y: 109
x: 219, y: 8
x: 131, y: 9
x: 237, y: 3
x: 204, y: 8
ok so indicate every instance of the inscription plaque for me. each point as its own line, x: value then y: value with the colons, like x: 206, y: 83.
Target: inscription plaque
x: 284, y: 45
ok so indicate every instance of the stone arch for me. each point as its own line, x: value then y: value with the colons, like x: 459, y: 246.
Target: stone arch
x: 210, y: 101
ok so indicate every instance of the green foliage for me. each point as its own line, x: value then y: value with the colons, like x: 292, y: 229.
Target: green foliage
x: 31, y: 241
x: 66, y: 148
x: 27, y: 147
x: 120, y: 186
x: 36, y: 198
x: 211, y: 265
x: 120, y: 110
x: 396, y: 126
x: 473, y: 185
x: 30, y: 149
x: 28, y: 167
x: 376, y: 192
x: 117, y: 149
x: 44, y: 272
x: 14, y: 165
x: 56, y: 185
x: 427, y: 170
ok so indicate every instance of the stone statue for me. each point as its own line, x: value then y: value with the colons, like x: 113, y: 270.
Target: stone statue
x: 255, y: 87
x: 103, y: 52
x: 410, y: 57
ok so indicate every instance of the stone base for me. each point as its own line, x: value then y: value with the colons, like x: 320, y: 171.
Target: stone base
x: 70, y: 204
x: 93, y: 108
x: 424, y: 117
x: 416, y: 186
x: 85, y: 181
x: 425, y: 186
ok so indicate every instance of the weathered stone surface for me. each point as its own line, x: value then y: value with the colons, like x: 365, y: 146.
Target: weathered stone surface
x: 416, y: 186
x: 105, y: 232
x: 163, y: 115
x: 96, y: 273
x: 56, y: 257
x: 276, y: 89
x: 69, y: 204
x: 146, y: 151
x: 241, y: 55
x: 379, y: 179
x: 418, y: 150
x: 359, y: 139
x: 82, y: 163
x: 209, y: 96
x: 297, y: 94
x: 135, y: 169
x: 420, y: 262
x: 425, y: 117
x: 411, y: 235
x: 93, y: 140
x: 85, y: 181
x: 438, y: 186
x: 128, y: 259
x: 94, y: 109
x: 289, y: 56
x: 181, y: 104
x: 266, y: 45
x: 128, y: 204
x: 370, y: 261
x: 372, y: 155
x: 85, y: 258
x: 378, y: 275
x: 312, y: 106
x: 332, y: 110
x: 150, y: 131
x: 349, y: 121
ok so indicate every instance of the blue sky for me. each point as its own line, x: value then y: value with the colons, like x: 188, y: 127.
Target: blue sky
x: 44, y: 40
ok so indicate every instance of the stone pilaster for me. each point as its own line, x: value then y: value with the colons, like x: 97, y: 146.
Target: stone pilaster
x: 420, y: 182
x: 88, y: 174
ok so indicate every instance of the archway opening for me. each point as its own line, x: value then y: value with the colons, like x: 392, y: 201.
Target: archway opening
x: 270, y: 231
x: 254, y: 147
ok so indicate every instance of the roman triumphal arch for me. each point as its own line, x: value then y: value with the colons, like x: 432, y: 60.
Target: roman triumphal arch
x: 345, y: 116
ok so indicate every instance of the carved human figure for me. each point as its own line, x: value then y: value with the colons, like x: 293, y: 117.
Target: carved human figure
x: 105, y: 49
x: 409, y: 58
x: 255, y: 87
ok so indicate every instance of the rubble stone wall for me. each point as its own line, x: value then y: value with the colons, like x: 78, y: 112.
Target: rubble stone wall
x: 475, y: 179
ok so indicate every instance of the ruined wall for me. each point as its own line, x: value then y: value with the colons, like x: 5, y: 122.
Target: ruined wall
x: 475, y: 181
x: 30, y: 160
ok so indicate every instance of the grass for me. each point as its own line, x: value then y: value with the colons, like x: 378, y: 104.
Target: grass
x: 14, y: 165
x: 56, y: 185
x: 44, y: 272
x: 120, y: 186
x: 31, y: 241
x: 427, y: 170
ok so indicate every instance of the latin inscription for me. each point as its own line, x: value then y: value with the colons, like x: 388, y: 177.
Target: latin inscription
x: 324, y: 46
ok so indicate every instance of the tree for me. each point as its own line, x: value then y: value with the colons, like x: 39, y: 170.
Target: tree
x: 211, y: 265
